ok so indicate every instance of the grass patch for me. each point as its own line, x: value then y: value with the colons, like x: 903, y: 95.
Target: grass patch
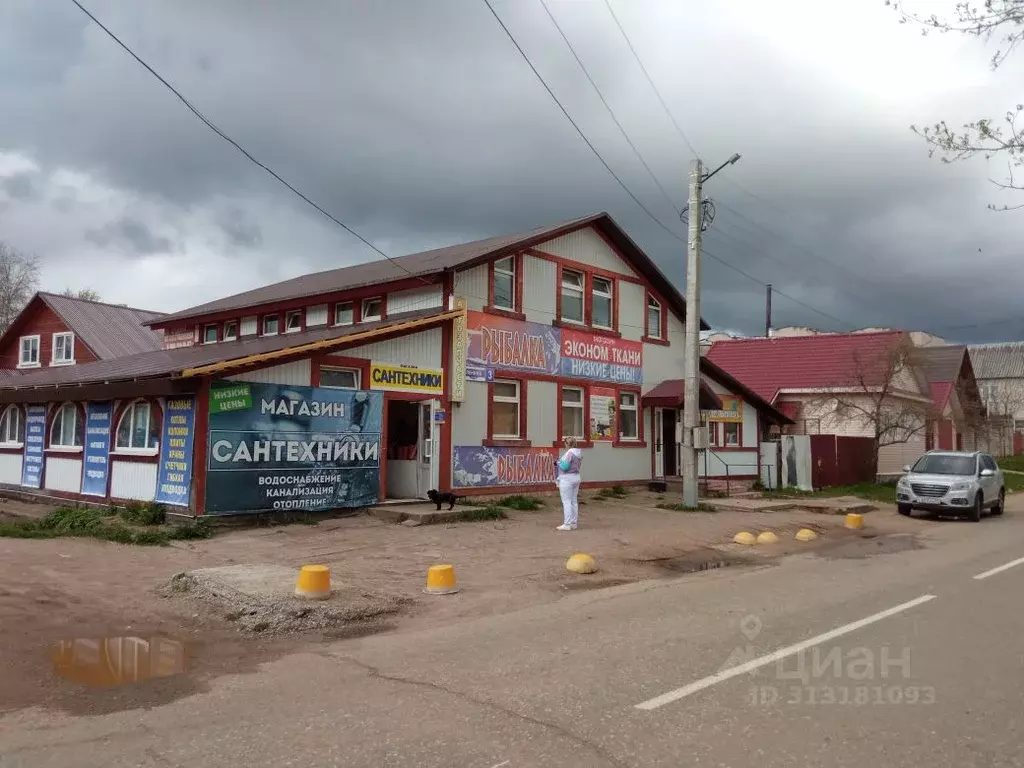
x: 477, y: 514
x: 104, y: 525
x: 138, y: 513
x: 881, y: 492
x: 1012, y: 463
x: 521, y: 503
x: 686, y: 508
x: 615, y: 492
x: 1013, y: 483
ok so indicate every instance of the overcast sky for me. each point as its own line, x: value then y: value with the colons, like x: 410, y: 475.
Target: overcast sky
x: 419, y: 125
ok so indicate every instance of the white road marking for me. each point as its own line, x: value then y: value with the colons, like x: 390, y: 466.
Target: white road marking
x: 501, y: 764
x: 750, y: 666
x: 1000, y: 569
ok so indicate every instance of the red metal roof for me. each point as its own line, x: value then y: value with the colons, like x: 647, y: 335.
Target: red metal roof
x: 669, y: 394
x: 806, y: 362
x: 109, y: 330
x: 434, y: 262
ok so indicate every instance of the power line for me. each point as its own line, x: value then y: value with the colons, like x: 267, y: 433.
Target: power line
x: 607, y: 106
x: 650, y: 81
x: 209, y: 124
x: 621, y: 183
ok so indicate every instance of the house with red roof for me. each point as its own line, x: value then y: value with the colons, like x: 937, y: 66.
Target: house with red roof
x: 856, y: 384
x: 959, y: 415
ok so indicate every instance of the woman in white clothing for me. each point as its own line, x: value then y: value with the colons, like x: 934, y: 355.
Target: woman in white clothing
x: 567, y: 478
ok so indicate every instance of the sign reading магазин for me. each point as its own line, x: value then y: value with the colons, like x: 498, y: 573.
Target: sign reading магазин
x: 306, y: 448
x: 502, y: 344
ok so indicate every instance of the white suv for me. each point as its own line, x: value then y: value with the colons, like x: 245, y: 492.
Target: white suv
x: 952, y: 482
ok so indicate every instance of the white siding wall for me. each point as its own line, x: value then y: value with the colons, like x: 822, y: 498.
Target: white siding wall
x: 296, y: 373
x: 63, y: 473
x: 316, y: 315
x: 248, y: 326
x: 422, y: 349
x: 471, y: 284
x: 588, y: 247
x: 632, y: 312
x: 892, y: 458
x: 732, y: 463
x: 415, y: 299
x: 133, y: 480
x: 10, y: 468
x: 539, y: 289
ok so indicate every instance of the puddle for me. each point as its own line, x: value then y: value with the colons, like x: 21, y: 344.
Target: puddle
x: 591, y: 583
x: 697, y: 561
x: 869, y: 545
x: 114, y: 661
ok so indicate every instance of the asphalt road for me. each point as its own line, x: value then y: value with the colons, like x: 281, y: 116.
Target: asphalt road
x: 906, y: 659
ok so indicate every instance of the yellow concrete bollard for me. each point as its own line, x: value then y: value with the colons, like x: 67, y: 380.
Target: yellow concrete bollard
x: 854, y: 521
x: 806, y: 534
x: 746, y: 538
x: 580, y: 563
x: 441, y: 580
x: 767, y: 537
x: 314, y: 582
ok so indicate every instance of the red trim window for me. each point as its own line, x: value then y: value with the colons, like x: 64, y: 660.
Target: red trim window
x: 293, y: 321
x: 573, y: 412
x: 270, y: 325
x: 138, y: 430
x: 12, y: 426
x: 211, y: 334
x: 655, y: 320
x: 372, y: 310
x: 344, y: 313
x: 572, y: 285
x: 505, y: 287
x: 732, y: 434
x: 230, y: 330
x: 602, y: 303
x: 67, y: 428
x: 630, y: 417
x: 506, y: 412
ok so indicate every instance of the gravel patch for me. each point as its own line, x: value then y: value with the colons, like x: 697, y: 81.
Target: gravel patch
x: 270, y: 610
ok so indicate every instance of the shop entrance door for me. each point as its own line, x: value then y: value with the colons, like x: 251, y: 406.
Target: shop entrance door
x: 427, y: 464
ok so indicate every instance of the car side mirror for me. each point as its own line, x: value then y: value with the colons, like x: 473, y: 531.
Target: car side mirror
x: 987, y: 473
x: 906, y: 467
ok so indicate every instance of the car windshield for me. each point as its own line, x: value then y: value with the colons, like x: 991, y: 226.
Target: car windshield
x: 940, y: 464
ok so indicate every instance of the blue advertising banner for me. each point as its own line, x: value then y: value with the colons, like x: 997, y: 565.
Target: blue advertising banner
x: 479, y: 467
x: 174, y: 475
x: 277, y: 447
x: 96, y: 456
x: 35, y: 435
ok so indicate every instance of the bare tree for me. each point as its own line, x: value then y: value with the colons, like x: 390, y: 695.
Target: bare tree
x: 86, y: 294
x: 883, y: 398
x: 1002, y: 20
x: 19, y: 280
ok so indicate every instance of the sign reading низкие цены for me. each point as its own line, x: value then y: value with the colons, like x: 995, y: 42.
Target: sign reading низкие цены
x: 503, y: 344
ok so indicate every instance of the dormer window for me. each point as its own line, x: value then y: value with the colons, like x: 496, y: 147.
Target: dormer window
x: 63, y: 348
x: 210, y: 334
x: 344, y: 313
x: 293, y: 321
x: 373, y: 309
x: 29, y: 357
x: 271, y: 325
x: 230, y: 330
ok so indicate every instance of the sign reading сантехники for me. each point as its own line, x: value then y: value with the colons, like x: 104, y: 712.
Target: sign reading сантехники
x: 309, y: 448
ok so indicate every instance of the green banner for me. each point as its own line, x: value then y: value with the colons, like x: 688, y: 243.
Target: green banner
x: 237, y: 397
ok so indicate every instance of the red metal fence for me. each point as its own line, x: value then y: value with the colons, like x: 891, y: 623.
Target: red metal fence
x: 837, y: 460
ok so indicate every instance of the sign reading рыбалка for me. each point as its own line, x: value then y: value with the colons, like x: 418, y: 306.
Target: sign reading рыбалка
x: 303, y: 448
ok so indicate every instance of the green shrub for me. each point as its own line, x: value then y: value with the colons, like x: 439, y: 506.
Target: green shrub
x: 143, y: 514
x: 522, y: 503
x: 685, y: 508
x: 482, y: 513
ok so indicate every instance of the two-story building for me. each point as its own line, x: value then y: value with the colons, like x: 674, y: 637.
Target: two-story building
x: 461, y: 368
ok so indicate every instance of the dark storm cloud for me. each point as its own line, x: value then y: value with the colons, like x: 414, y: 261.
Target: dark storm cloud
x: 131, y: 232
x: 420, y: 125
x: 21, y: 186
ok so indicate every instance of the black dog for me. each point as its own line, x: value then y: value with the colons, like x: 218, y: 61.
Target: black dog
x: 440, y: 498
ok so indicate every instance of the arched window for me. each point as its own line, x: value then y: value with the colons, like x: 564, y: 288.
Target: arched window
x: 12, y: 426
x: 139, y: 428
x: 66, y: 430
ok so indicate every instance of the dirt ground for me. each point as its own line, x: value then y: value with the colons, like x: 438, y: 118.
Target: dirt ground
x: 60, y: 589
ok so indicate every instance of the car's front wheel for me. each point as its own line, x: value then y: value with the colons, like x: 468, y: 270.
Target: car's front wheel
x: 1001, y: 504
x: 904, y: 509
x: 976, y: 509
